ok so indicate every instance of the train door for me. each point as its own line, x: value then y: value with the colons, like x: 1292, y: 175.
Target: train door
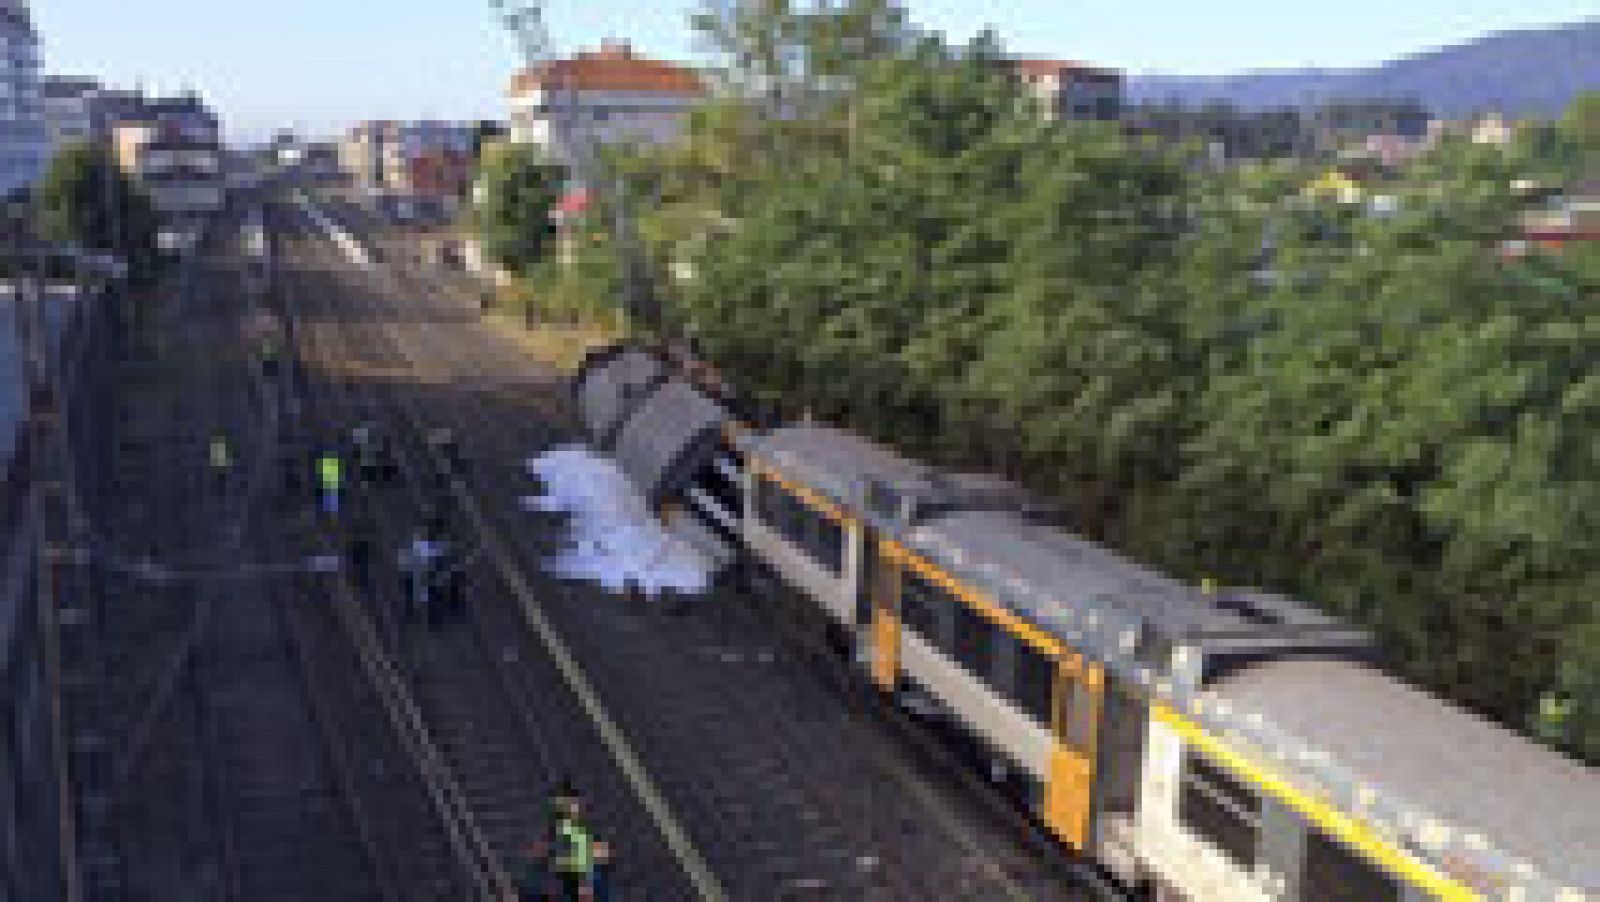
x: 1080, y: 688
x: 885, y: 591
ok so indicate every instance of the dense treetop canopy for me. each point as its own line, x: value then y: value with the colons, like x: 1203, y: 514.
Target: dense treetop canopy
x: 1211, y: 369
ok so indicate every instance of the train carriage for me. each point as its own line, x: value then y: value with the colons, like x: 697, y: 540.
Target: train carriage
x: 1231, y: 745
x: 670, y: 438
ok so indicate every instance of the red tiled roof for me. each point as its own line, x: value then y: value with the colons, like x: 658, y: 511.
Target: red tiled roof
x: 1047, y: 67
x: 574, y: 202
x: 612, y: 68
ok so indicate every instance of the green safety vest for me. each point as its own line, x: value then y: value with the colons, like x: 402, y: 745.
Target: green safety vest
x: 220, y: 458
x: 329, y: 471
x: 579, y: 846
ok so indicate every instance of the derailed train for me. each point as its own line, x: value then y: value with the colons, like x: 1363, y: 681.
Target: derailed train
x: 1199, y: 744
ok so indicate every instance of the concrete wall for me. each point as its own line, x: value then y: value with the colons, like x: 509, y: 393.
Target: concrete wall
x: 29, y: 801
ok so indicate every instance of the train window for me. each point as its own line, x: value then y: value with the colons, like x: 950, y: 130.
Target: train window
x: 827, y: 541
x: 818, y: 536
x: 1220, y: 809
x: 974, y: 641
x: 917, y: 600
x: 1034, y: 688
x: 883, y: 500
x: 1333, y: 872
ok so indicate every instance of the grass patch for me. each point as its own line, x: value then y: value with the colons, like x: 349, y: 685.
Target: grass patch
x: 561, y: 345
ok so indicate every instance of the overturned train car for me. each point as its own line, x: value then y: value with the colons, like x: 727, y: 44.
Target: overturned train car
x: 1200, y: 744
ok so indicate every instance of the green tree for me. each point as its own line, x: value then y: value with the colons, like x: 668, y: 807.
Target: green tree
x: 802, y: 57
x: 517, y: 190
x: 84, y: 199
x: 1207, y: 369
x: 1581, y: 122
x: 1421, y: 417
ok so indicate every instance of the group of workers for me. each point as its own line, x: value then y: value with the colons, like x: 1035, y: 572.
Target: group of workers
x: 566, y: 863
x: 430, y: 567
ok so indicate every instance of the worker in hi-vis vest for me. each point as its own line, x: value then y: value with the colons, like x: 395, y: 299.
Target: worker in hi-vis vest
x: 221, y: 457
x: 330, y: 479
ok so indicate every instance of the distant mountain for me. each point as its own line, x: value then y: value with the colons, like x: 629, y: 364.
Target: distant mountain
x: 1520, y: 73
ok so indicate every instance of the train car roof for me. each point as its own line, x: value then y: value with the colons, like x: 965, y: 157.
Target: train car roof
x: 607, y: 385
x: 1056, y: 580
x: 1086, y: 594
x: 1529, y: 800
x: 833, y: 461
x: 1071, y: 585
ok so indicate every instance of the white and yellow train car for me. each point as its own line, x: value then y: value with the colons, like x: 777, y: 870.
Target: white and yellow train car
x: 1212, y: 746
x: 1081, y: 673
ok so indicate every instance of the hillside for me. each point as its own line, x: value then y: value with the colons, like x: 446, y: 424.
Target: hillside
x: 1529, y: 72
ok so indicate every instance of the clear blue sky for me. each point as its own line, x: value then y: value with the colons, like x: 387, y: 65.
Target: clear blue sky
x: 319, y: 64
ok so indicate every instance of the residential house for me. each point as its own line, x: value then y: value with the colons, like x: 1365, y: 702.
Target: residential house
x: 427, y: 159
x: 1074, y: 91
x: 24, y: 142
x: 1572, y: 215
x: 361, y: 152
x: 1338, y: 183
x: 106, y: 108
x: 608, y: 96
x: 1493, y: 129
x: 1389, y: 149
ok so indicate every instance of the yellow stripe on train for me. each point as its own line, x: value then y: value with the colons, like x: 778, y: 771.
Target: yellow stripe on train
x: 1331, y: 820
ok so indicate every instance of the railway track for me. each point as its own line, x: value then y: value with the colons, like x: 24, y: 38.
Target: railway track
x: 439, y: 848
x: 497, y: 716
x: 785, y: 808
x: 251, y: 759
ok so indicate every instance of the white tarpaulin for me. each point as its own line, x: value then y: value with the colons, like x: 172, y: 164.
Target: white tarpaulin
x: 613, y: 538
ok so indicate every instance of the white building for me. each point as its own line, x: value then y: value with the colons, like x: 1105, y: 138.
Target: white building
x: 1493, y: 129
x: 1071, y: 90
x: 172, y: 147
x: 426, y: 158
x: 609, y: 96
x: 24, y: 145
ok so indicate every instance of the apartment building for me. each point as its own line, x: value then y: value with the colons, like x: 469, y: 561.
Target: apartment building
x: 172, y: 146
x: 426, y: 159
x: 24, y: 144
x: 69, y: 110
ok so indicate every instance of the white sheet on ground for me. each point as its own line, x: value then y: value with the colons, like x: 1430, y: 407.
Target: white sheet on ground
x: 613, y: 538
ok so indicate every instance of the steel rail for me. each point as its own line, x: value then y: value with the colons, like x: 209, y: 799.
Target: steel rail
x: 912, y: 732
x: 472, y: 849
x: 620, y: 748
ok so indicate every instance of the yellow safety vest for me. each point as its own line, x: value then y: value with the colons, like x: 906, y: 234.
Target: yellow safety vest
x: 328, y: 470
x: 579, y: 857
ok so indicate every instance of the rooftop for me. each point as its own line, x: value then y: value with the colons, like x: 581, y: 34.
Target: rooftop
x: 1533, y: 801
x: 63, y: 86
x: 1036, y: 67
x: 614, y: 67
